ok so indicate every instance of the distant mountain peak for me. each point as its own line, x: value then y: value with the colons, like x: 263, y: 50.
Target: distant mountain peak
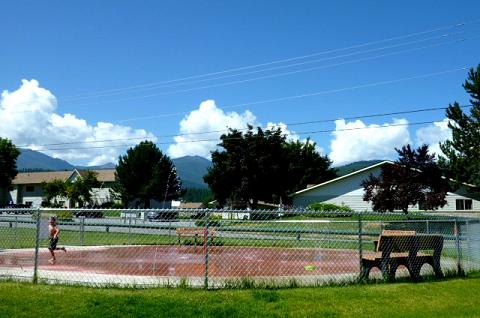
x: 191, y: 169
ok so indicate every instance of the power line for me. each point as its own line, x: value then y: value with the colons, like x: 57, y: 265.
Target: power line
x: 268, y: 76
x: 413, y: 111
x: 443, y: 28
x: 235, y: 138
x: 272, y: 75
x: 275, y: 67
x: 318, y: 93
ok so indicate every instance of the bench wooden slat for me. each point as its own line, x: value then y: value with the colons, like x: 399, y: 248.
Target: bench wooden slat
x: 395, y: 248
x: 195, y: 232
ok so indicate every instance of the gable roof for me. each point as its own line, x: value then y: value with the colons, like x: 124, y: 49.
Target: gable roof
x: 357, y: 172
x: 343, y: 177
x: 107, y: 175
x: 39, y: 177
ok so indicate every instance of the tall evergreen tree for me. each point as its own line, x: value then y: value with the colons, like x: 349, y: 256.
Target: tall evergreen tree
x: 462, y: 153
x: 145, y: 173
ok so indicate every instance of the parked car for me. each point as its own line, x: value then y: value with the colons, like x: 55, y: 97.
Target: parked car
x: 88, y: 214
x: 17, y: 206
x: 157, y: 215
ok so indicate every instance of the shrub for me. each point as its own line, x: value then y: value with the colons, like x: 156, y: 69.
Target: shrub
x: 65, y: 216
x: 330, y: 209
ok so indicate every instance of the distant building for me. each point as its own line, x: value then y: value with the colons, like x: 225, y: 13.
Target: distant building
x: 348, y: 190
x: 27, y: 189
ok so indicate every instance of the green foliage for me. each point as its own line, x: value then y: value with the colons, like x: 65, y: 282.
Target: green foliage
x: 65, y: 215
x: 329, y: 207
x: 53, y: 189
x: 197, y: 195
x: 8, y: 162
x: 145, y: 173
x: 80, y: 190
x: 461, y: 157
x: 262, y: 166
x: 415, y: 178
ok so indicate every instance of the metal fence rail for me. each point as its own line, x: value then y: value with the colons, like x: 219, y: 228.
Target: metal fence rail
x: 222, y: 248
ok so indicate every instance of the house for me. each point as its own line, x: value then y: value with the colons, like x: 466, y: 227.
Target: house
x: 348, y: 190
x: 26, y: 187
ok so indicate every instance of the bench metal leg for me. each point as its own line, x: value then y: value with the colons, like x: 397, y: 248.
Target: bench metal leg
x: 365, y: 272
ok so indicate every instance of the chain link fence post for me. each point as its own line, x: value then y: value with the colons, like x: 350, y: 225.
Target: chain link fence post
x: 129, y: 227
x: 37, y: 245
x: 469, y: 249
x: 205, y: 247
x: 82, y: 230
x: 15, y: 238
x: 360, y: 247
x: 458, y: 248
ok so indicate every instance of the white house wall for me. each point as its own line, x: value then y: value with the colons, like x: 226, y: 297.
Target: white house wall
x: 35, y: 196
x: 346, y: 191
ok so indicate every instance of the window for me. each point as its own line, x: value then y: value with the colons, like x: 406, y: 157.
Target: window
x: 462, y: 204
x: 29, y: 188
x: 29, y: 203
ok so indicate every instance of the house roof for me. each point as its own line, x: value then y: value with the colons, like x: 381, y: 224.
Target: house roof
x: 106, y: 175
x: 190, y: 205
x: 39, y: 177
x: 342, y: 177
x: 310, y: 188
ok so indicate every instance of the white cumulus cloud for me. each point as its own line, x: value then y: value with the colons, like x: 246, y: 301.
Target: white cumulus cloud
x: 353, y: 141
x: 192, y: 139
x: 28, y: 117
x: 433, y: 134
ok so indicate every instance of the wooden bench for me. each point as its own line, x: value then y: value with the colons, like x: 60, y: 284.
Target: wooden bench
x: 403, y: 248
x: 195, y: 232
x: 393, y: 233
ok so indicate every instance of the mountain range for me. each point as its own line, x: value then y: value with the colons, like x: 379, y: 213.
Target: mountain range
x: 190, y: 169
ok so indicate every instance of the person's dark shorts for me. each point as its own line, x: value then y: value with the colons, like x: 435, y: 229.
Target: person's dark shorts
x: 53, y: 243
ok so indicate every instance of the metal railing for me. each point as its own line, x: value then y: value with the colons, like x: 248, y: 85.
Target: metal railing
x: 225, y: 248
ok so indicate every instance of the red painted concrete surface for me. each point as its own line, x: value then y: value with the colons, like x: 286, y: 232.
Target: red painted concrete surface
x: 185, y: 261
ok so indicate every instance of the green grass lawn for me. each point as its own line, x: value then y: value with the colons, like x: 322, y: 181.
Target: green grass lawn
x: 447, y: 298
x: 25, y: 238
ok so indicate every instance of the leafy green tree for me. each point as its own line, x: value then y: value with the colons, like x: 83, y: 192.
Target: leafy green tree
x: 306, y: 166
x: 80, y: 191
x: 53, y: 189
x: 145, y: 173
x: 461, y: 157
x: 197, y: 195
x: 415, y: 178
x: 261, y: 165
x: 8, y: 164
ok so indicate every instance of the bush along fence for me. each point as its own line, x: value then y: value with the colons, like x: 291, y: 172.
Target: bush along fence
x: 228, y: 248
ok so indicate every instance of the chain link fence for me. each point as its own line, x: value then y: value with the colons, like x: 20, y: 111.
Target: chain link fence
x: 229, y: 248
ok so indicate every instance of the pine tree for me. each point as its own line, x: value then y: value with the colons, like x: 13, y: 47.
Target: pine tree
x: 461, y: 157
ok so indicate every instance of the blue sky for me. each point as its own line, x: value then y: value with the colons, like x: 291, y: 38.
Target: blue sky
x: 74, y: 50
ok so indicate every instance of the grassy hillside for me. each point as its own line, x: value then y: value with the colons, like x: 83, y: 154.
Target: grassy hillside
x: 354, y: 166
